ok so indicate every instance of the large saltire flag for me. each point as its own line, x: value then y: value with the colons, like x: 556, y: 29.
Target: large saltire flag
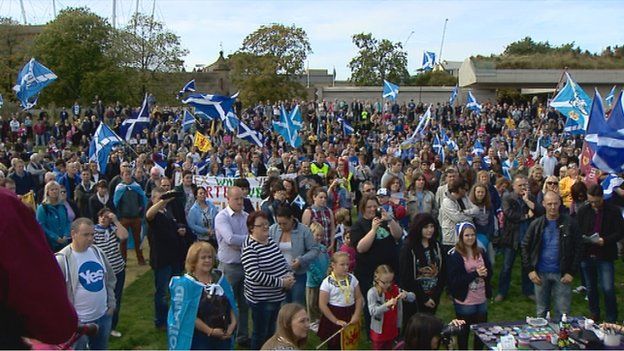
x: 188, y: 121
x: 347, y: 129
x: 203, y: 143
x: 188, y: 87
x: 104, y: 139
x: 210, y: 106
x: 609, y: 184
x: 289, y: 125
x: 30, y: 81
x: 390, y: 91
x: 574, y: 103
x: 595, y: 122
x: 609, y: 152
x: 428, y: 62
x: 472, y: 103
x: 250, y: 135
x: 137, y: 122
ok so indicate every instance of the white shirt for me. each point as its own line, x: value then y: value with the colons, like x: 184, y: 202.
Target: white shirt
x: 548, y: 163
x: 336, y: 296
x: 90, y: 295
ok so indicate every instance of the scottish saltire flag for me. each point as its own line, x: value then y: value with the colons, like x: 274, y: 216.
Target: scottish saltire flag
x: 390, y: 91
x: 506, y: 167
x: 596, y: 122
x: 609, y: 184
x: 422, y: 123
x: 428, y: 62
x: 188, y: 87
x: 609, y: 152
x: 438, y: 147
x: 188, y: 121
x: 453, y: 96
x: 289, y: 125
x: 211, y: 106
x: 450, y: 143
x: 610, y: 96
x: 137, y: 122
x: 160, y: 162
x: 477, y: 148
x: 299, y: 202
x: 472, y: 103
x: 250, y: 135
x: 104, y: 139
x: 574, y: 103
x: 231, y: 122
x: 30, y: 81
x: 347, y: 129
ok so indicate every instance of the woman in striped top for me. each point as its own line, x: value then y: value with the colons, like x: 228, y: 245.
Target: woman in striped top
x: 267, y: 274
x: 108, y: 233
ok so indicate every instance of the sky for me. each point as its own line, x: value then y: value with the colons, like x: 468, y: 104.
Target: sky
x: 473, y: 27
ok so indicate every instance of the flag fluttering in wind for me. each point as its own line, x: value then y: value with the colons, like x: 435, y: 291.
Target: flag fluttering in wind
x: 573, y: 102
x: 610, y: 96
x: 428, y: 62
x: 211, y: 106
x: 104, y: 139
x: 30, y: 81
x: 609, y: 184
x: 390, y: 91
x: 477, y: 148
x: 454, y: 94
x: 250, y: 135
x: 347, y: 129
x: 596, y: 121
x: 137, y: 122
x: 188, y: 87
x: 609, y: 151
x: 188, y: 121
x: 472, y: 103
x: 438, y: 147
x: 289, y: 125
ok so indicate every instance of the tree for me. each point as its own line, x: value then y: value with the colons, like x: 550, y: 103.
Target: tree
x: 256, y: 78
x: 436, y: 77
x: 146, y: 47
x: 15, y: 41
x: 289, y: 46
x: 378, y: 60
x: 75, y: 46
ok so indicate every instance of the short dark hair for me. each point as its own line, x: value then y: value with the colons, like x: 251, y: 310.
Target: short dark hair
x: 251, y: 219
x: 595, y: 190
x: 284, y: 210
x: 420, y: 329
x: 103, y: 211
x: 457, y: 184
x: 186, y: 172
x: 242, y: 183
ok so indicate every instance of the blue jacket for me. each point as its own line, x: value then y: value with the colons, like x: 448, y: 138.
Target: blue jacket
x: 63, y: 180
x: 55, y: 223
x: 195, y: 219
x: 304, y: 247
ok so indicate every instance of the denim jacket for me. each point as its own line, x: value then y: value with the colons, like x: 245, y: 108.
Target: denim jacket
x: 304, y: 247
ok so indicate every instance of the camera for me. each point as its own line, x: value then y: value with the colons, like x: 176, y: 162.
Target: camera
x: 378, y: 212
x: 171, y: 194
x: 448, y: 332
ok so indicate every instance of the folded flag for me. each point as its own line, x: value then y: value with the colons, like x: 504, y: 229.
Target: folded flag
x: 30, y: 81
x: 390, y: 91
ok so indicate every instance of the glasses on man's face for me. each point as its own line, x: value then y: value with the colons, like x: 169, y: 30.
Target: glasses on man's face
x: 369, y: 190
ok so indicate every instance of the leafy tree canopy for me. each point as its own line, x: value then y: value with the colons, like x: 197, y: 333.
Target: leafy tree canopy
x: 377, y: 60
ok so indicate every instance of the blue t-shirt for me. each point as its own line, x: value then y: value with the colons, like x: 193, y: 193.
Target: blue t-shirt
x: 549, y: 252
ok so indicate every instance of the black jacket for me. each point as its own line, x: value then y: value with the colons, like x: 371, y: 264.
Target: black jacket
x: 570, y: 245
x: 514, y: 210
x: 458, y: 279
x: 611, y: 230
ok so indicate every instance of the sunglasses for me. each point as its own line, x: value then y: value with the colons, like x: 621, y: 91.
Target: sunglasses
x: 552, y: 183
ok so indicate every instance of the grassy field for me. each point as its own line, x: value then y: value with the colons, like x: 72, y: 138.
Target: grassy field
x: 137, y: 313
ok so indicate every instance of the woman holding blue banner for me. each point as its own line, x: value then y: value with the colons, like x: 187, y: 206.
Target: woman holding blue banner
x: 203, y: 312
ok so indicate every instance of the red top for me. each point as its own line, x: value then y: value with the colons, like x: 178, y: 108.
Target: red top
x: 31, y: 282
x: 390, y: 328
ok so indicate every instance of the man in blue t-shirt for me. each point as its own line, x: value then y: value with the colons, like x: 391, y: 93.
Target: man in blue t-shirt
x: 551, y: 253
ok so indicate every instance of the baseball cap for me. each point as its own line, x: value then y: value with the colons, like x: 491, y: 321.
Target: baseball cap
x: 383, y: 192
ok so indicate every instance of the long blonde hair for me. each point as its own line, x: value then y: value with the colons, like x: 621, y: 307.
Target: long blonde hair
x: 46, y: 189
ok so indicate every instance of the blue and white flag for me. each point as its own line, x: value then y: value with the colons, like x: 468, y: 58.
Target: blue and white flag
x: 231, y: 122
x: 299, y: 202
x: 574, y: 103
x: 428, y: 62
x: 188, y: 121
x: 438, y: 147
x: 477, y: 148
x: 250, y: 135
x: 472, y: 103
x: 289, y: 125
x: 104, y: 139
x: 1, y: 101
x: 347, y: 129
x: 188, y: 87
x: 30, y: 81
x: 506, y: 165
x: 390, y: 91
x: 422, y: 123
x: 453, y: 96
x: 609, y: 152
x: 136, y: 123
x: 610, y: 96
x: 596, y: 121
x: 609, y: 184
x: 211, y: 106
x: 450, y: 143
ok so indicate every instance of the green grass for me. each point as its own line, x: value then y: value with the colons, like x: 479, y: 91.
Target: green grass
x: 137, y: 312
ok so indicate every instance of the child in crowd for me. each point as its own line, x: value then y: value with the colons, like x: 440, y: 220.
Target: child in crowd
x: 343, y: 221
x: 349, y: 249
x: 317, y: 271
x: 385, y: 304
x: 340, y: 300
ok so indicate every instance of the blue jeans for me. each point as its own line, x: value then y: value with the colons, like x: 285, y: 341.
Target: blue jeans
x: 599, y: 274
x: 100, y: 340
x: 552, y: 289
x: 504, y: 279
x: 297, y: 292
x: 472, y: 314
x: 121, y: 279
x: 234, y: 274
x: 162, y: 276
x: 264, y: 318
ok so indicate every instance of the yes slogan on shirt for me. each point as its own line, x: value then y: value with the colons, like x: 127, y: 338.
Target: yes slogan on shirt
x: 91, y: 276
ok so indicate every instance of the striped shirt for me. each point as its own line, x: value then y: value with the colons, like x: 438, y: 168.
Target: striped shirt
x: 264, y: 266
x: 106, y: 239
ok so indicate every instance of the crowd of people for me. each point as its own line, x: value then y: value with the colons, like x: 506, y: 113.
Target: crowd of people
x: 367, y: 228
